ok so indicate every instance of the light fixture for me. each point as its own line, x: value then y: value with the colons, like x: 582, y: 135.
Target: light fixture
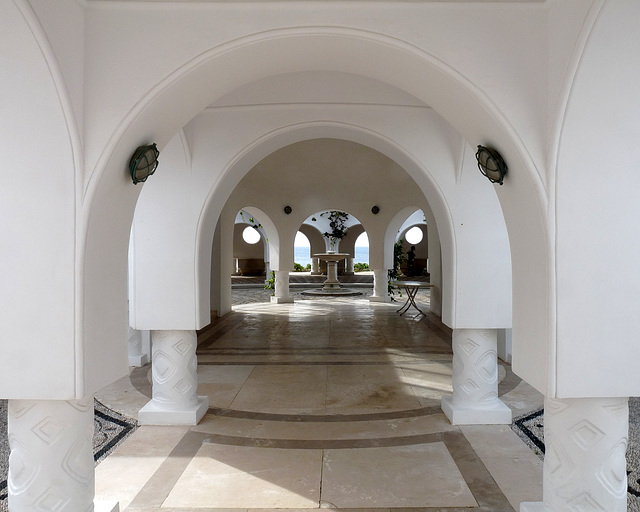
x: 491, y: 164
x: 287, y: 210
x: 143, y: 163
x: 375, y: 210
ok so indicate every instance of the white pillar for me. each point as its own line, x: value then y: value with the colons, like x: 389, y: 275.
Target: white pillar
x: 137, y: 356
x: 281, y: 292
x: 475, y: 380
x: 51, y: 463
x: 315, y: 266
x: 585, y: 456
x: 174, y: 368
x: 349, y: 268
x: 380, y: 286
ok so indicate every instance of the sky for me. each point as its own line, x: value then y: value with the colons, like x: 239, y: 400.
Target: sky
x: 303, y: 241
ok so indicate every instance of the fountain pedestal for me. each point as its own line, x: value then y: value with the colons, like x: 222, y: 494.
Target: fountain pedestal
x: 331, y: 285
x: 332, y: 259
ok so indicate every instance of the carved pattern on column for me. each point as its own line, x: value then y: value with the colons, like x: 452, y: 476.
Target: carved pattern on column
x: 475, y: 367
x: 585, y: 464
x: 51, y: 462
x: 174, y: 368
x: 134, y: 342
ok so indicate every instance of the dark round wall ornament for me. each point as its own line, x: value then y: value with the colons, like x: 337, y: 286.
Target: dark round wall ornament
x: 375, y: 210
x: 287, y: 210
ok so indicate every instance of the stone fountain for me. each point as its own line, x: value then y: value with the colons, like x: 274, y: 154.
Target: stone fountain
x: 331, y: 285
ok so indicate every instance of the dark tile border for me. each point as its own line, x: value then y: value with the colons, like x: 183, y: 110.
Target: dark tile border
x: 324, y: 418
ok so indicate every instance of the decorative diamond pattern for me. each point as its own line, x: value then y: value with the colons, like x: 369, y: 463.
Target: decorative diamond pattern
x: 469, y: 387
x: 557, y: 463
x: 49, y: 430
x: 50, y: 501
x: 586, y: 434
x: 78, y: 463
x: 183, y: 387
x: 182, y: 347
x: 487, y: 367
x: 613, y: 472
x: 22, y: 468
x: 585, y: 502
x: 469, y: 346
x: 163, y: 367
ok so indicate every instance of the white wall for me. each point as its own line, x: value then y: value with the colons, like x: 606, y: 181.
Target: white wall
x: 511, y: 86
x: 598, y: 242
x: 40, y: 156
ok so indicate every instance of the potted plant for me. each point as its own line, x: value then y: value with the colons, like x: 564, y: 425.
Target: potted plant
x: 338, y: 231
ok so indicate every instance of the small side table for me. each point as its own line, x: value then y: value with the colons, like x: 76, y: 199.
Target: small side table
x: 411, y: 287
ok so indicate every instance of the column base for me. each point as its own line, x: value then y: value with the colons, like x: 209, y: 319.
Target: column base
x: 139, y: 360
x: 156, y: 414
x: 499, y: 414
x: 379, y: 299
x: 281, y: 300
x: 532, y: 506
x: 106, y: 506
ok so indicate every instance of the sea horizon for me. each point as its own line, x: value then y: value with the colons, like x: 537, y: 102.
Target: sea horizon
x: 301, y: 254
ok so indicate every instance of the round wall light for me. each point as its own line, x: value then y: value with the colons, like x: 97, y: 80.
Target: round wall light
x: 143, y: 163
x: 288, y: 210
x: 251, y: 235
x: 414, y: 235
x: 491, y: 164
x: 375, y: 210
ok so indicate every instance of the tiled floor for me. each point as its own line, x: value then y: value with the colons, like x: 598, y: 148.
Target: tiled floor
x: 322, y: 404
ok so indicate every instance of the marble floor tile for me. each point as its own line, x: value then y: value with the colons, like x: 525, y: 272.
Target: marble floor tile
x: 239, y: 477
x: 368, y: 388
x: 416, y: 476
x: 519, y: 479
x: 294, y: 388
x: 497, y: 441
x: 124, y: 473
x: 321, y: 404
x: 222, y: 383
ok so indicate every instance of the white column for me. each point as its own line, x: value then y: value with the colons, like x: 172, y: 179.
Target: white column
x: 51, y: 461
x: 174, y: 368
x: 281, y: 292
x: 380, y: 286
x: 137, y: 356
x: 315, y: 266
x: 585, y: 456
x: 349, y: 268
x: 475, y: 380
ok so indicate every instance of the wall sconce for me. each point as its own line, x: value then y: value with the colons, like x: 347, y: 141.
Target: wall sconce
x: 375, y: 210
x: 143, y: 163
x: 287, y: 210
x: 491, y: 164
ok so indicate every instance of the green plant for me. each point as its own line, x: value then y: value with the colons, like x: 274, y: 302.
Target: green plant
x: 308, y: 267
x: 270, y: 284
x: 337, y: 221
x: 360, y: 267
x: 298, y: 268
x: 252, y: 221
x: 398, y: 259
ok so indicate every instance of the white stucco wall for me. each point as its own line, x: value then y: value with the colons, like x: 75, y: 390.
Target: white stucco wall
x: 533, y: 86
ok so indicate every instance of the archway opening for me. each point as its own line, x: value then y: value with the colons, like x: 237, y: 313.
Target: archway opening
x: 249, y: 246
x: 301, y: 253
